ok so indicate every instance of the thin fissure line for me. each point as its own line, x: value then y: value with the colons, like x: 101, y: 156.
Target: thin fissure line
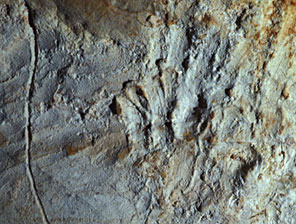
x: 28, y: 134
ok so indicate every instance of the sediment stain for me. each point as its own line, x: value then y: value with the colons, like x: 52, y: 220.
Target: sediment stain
x: 118, y: 19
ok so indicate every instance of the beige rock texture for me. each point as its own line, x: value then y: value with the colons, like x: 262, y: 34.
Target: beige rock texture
x: 147, y: 111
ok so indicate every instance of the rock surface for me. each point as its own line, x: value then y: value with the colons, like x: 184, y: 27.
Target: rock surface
x: 136, y: 111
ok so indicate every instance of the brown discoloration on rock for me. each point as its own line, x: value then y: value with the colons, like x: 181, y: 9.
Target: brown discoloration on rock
x: 140, y: 91
x: 269, y: 120
x: 72, y: 150
x: 285, y: 93
x: 212, y: 115
x: 211, y: 140
x: 2, y: 139
x: 188, y: 136
x: 209, y: 20
x: 118, y: 108
x: 284, y: 126
x: 171, y: 22
x: 123, y: 154
x: 263, y: 212
x: 289, y: 23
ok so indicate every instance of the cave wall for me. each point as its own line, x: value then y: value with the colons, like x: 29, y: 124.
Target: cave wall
x: 136, y: 111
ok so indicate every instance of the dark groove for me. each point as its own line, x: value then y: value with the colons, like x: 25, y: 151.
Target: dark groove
x: 142, y: 96
x: 228, y: 91
x: 168, y: 123
x: 115, y: 107
x: 185, y: 63
x: 190, y: 32
x: 126, y: 84
x: 147, y: 131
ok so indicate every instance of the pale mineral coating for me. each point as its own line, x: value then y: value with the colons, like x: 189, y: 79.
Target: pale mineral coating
x: 137, y: 111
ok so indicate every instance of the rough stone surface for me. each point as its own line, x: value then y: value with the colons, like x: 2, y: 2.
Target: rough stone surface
x: 137, y: 111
